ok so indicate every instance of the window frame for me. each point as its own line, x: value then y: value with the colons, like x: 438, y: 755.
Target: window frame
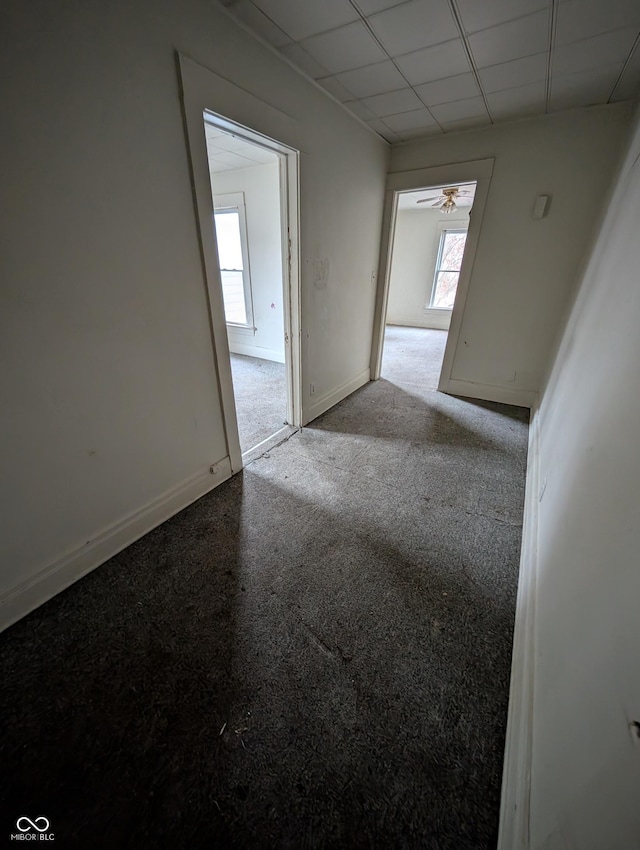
x: 234, y: 203
x: 444, y: 229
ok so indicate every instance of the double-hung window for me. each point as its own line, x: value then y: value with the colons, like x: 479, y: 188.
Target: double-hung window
x: 231, y: 236
x: 448, y: 265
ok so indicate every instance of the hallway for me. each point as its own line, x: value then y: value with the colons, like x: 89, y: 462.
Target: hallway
x: 314, y: 655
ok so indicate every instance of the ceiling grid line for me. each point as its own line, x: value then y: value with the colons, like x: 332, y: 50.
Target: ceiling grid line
x: 467, y: 48
x: 634, y: 47
x: 553, y: 23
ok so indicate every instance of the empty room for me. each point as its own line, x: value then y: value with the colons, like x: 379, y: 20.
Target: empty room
x: 319, y: 424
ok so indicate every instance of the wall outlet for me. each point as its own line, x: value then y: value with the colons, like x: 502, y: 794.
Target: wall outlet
x: 312, y: 389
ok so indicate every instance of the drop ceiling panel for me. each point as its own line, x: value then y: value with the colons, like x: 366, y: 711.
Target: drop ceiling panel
x: 410, y: 120
x: 629, y: 84
x: 518, y: 72
x: 260, y: 23
x: 335, y: 87
x: 578, y: 19
x: 344, y: 49
x: 373, y: 79
x: 517, y: 102
x: 301, y: 20
x: 408, y: 59
x: 413, y: 25
x: 482, y: 14
x: 299, y: 56
x: 233, y: 160
x: 466, y: 123
x: 370, y: 7
x: 470, y: 107
x: 358, y: 108
x: 593, y: 52
x: 434, y: 63
x: 386, y: 132
x: 583, y: 89
x: 393, y: 102
x: 419, y: 133
x: 451, y: 88
x: 522, y: 37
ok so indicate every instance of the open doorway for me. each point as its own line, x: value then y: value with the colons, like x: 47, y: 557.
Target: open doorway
x: 249, y: 177
x: 247, y: 203
x: 429, y: 240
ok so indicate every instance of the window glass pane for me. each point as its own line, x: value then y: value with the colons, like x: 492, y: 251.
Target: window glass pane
x: 445, y: 289
x: 228, y: 236
x: 233, y: 292
x: 452, y: 251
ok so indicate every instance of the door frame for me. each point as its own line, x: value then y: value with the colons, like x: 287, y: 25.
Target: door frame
x: 202, y: 89
x: 475, y: 171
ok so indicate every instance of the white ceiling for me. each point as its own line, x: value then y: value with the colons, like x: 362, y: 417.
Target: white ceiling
x: 227, y: 152
x: 414, y: 68
x: 413, y: 201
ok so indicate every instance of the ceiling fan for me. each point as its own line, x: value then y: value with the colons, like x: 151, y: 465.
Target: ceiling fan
x: 447, y: 200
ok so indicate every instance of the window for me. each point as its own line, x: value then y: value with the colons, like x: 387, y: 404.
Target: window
x: 234, y: 267
x: 448, y: 264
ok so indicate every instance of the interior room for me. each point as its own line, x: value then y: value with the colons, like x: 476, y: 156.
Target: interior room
x: 245, y: 183
x: 410, y: 619
x: 429, y: 237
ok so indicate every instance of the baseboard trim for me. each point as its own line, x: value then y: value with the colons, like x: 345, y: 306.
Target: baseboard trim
x: 330, y: 399
x: 489, y: 392
x: 19, y: 600
x: 437, y: 320
x: 516, y: 774
x: 255, y: 351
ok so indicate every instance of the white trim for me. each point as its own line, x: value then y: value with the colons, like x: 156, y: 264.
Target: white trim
x: 236, y: 347
x: 431, y: 318
x: 475, y: 171
x: 19, y: 600
x: 516, y: 774
x: 201, y: 90
x: 489, y: 392
x: 328, y: 401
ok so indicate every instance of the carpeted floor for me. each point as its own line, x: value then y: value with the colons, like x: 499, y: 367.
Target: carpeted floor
x: 260, y: 389
x: 315, y: 655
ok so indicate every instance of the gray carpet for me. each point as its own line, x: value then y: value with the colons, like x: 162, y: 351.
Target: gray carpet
x: 260, y: 390
x: 315, y: 655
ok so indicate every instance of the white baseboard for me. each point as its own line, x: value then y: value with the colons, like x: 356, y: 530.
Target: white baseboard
x: 438, y: 320
x: 17, y: 601
x: 330, y: 399
x: 489, y: 392
x: 516, y: 775
x: 255, y: 351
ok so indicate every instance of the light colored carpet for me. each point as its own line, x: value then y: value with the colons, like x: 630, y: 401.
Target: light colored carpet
x: 260, y: 390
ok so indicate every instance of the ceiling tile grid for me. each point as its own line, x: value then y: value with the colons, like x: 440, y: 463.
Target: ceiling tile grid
x: 412, y: 67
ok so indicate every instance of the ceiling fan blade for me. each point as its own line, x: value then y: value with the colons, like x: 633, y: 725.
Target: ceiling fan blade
x: 432, y: 198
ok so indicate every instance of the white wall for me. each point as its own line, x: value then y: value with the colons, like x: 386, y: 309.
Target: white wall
x: 110, y: 406
x: 415, y: 253
x: 525, y: 270
x: 261, y: 188
x: 586, y: 766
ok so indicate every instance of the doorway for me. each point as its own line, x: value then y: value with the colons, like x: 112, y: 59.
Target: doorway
x: 433, y: 186
x: 246, y: 189
x: 429, y: 239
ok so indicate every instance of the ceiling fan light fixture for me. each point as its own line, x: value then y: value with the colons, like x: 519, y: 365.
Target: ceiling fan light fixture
x: 448, y: 206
